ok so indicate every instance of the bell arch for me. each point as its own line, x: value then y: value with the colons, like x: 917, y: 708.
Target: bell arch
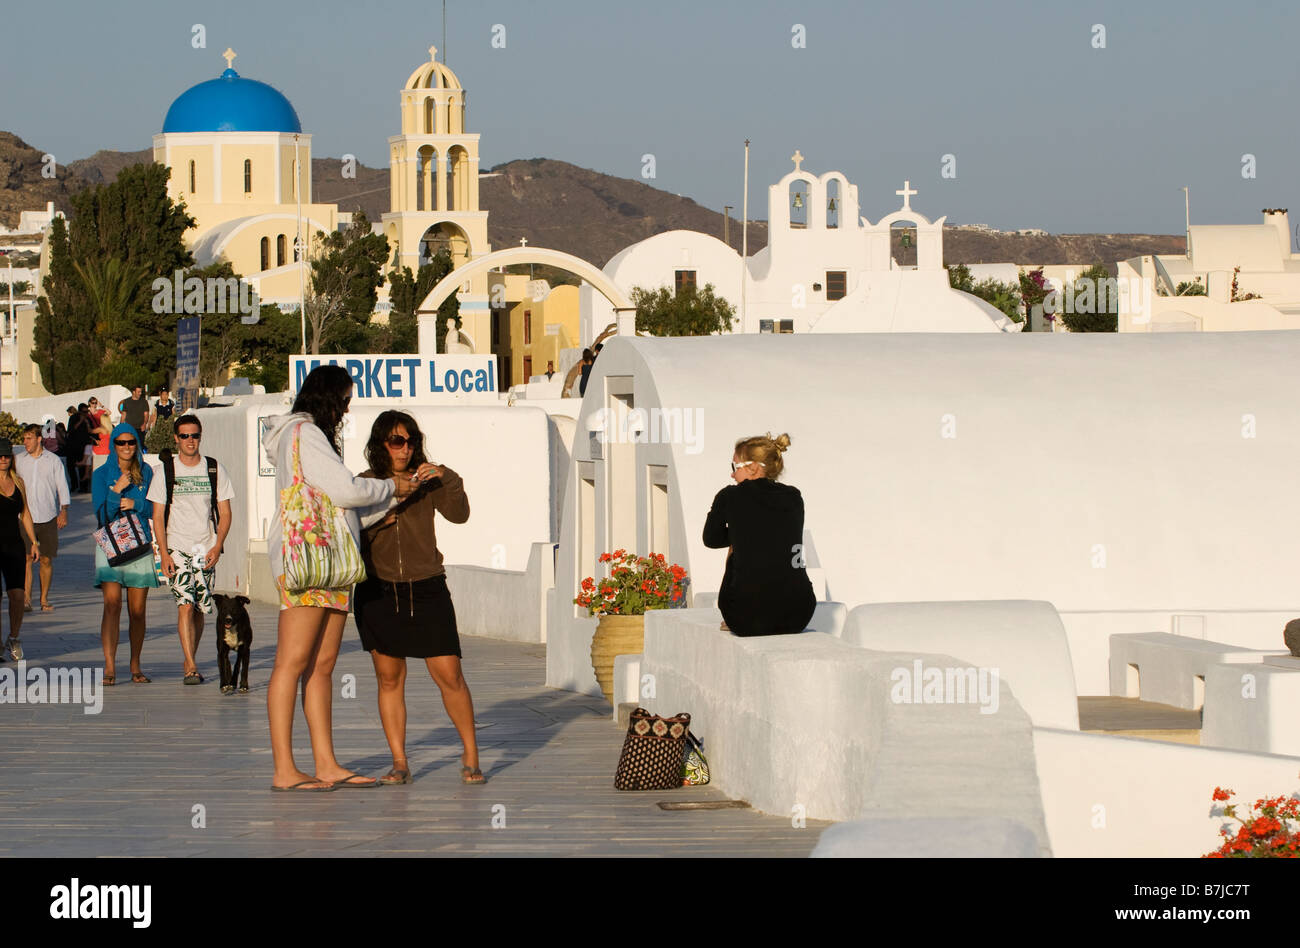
x: 515, y: 255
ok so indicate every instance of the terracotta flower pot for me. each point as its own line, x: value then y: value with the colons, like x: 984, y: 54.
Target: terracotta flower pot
x: 1291, y: 636
x: 615, y: 635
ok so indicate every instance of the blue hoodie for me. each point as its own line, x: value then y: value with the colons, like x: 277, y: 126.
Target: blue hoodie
x: 107, y: 503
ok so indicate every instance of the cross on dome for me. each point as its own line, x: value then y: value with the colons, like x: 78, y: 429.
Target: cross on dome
x: 906, y: 195
x: 797, y: 158
x: 433, y: 53
x: 229, y: 55
x: 523, y: 241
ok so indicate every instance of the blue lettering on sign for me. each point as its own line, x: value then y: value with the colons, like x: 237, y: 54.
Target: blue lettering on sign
x: 451, y: 380
x: 358, y: 372
x: 467, y: 380
x: 372, y: 378
x: 480, y: 380
x: 304, y: 367
x: 411, y: 364
x: 393, y: 380
x: 433, y: 377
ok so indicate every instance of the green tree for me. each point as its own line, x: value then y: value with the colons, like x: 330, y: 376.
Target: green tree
x: 406, y: 293
x: 276, y: 336
x: 1096, y: 305
x: 959, y: 277
x: 113, y: 288
x: 1004, y: 296
x: 1034, y: 289
x: 688, y: 312
x: 134, y: 221
x: 346, y: 270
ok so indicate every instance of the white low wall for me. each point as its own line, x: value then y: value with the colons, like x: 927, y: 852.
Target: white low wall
x: 503, y: 604
x: 807, y: 724
x: 1254, y: 707
x: 1023, y: 641
x: 34, y: 410
x: 1114, y: 796
x: 1168, y: 666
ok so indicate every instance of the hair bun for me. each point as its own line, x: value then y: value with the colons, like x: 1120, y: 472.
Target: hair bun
x: 782, y: 442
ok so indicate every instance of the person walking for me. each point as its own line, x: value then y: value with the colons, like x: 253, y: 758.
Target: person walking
x: 191, y: 502
x: 305, y: 443
x: 15, y: 526
x: 122, y: 483
x: 765, y: 588
x: 164, y: 407
x: 77, y: 448
x: 135, y: 412
x: 587, y: 361
x: 403, y: 563
x: 100, y: 426
x: 47, y: 498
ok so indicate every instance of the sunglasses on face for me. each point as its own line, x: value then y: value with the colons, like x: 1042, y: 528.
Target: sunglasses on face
x: 397, y: 441
x: 124, y: 443
x: 188, y: 437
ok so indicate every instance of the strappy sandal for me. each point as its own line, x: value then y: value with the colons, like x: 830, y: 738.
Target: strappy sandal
x: 395, y: 776
x: 473, y: 777
x: 140, y: 678
x: 194, y: 678
x: 110, y: 680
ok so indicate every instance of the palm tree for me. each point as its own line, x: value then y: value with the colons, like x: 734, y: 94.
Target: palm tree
x: 112, y: 286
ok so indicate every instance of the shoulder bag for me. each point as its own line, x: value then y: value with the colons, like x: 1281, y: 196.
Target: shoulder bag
x: 318, y: 549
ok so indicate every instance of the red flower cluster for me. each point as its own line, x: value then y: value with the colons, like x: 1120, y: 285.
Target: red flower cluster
x: 635, y: 584
x: 1266, y: 831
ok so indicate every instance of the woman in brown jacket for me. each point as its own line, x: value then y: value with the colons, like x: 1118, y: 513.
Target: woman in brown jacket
x: 403, y: 608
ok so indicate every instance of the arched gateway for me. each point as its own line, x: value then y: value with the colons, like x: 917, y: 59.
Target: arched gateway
x: 513, y: 255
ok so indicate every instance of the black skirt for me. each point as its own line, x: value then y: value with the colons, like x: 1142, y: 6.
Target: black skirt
x: 407, y: 620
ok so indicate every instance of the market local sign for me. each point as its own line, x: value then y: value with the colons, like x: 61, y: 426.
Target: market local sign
x: 410, y: 378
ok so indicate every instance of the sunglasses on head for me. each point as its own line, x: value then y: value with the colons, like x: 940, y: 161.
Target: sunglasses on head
x: 125, y: 443
x: 737, y: 465
x: 188, y: 436
x: 397, y: 441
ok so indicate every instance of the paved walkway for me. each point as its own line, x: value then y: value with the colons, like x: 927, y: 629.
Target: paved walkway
x: 130, y: 780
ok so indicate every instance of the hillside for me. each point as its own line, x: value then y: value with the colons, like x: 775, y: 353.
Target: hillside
x: 559, y: 205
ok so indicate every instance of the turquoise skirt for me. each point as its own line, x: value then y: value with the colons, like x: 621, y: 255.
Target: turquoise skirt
x: 137, y: 574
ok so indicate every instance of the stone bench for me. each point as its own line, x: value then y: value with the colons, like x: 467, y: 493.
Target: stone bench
x: 1169, y: 669
x: 807, y: 725
x: 1022, y: 640
x: 1253, y: 707
x: 828, y: 617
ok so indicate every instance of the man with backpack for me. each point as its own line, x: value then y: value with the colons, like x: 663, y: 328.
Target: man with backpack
x: 191, y: 519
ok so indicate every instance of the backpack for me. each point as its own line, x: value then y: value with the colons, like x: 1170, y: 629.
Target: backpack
x: 169, y: 469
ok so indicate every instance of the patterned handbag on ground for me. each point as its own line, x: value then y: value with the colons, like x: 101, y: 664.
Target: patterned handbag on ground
x: 654, y: 752
x: 695, y: 772
x: 122, y: 538
x: 318, y: 549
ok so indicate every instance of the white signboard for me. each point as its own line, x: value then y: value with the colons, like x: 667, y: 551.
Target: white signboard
x: 455, y: 378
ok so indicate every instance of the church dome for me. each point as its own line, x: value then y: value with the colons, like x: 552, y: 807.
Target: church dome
x: 231, y: 103
x: 433, y: 75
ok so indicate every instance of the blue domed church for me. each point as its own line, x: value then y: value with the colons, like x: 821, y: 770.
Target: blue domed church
x: 241, y: 163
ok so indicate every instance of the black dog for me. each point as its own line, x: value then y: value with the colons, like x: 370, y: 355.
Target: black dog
x: 234, y: 630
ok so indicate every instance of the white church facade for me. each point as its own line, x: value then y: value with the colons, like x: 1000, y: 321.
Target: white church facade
x: 825, y: 268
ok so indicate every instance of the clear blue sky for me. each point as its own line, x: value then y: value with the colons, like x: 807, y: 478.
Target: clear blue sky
x: 1047, y: 131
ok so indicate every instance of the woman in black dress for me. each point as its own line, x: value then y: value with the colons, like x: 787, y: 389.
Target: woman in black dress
x: 765, y: 589
x: 15, y: 520
x: 404, y: 609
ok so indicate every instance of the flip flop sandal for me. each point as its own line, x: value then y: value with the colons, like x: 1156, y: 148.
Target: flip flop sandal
x: 193, y: 678
x: 140, y: 678
x: 46, y: 607
x: 347, y: 783
x: 467, y: 776
x: 110, y: 680
x: 395, y: 777
x: 301, y: 787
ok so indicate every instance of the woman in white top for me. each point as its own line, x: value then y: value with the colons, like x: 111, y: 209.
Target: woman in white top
x: 311, y: 621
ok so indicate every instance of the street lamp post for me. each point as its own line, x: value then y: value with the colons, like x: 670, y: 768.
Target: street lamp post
x: 298, y: 245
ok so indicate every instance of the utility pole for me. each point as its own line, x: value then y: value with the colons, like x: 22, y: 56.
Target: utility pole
x: 1187, y: 213
x: 744, y: 240
x: 302, y: 280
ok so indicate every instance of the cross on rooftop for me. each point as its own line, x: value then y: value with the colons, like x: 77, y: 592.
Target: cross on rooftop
x: 433, y: 53
x: 797, y: 158
x: 229, y: 54
x: 906, y: 195
x: 523, y: 241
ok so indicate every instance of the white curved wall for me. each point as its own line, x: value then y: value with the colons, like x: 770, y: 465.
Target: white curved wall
x: 1101, y: 473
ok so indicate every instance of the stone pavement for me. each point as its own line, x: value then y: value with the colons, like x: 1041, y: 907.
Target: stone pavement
x: 128, y: 781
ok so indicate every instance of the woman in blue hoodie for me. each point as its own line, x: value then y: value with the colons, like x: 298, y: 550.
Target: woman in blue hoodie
x: 122, y: 483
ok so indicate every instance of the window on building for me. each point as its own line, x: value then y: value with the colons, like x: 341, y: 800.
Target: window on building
x: 496, y: 327
x: 248, y: 176
x: 836, y: 284
x: 192, y: 188
x: 266, y: 253
x: 785, y: 325
x: 683, y: 279
x: 765, y: 325
x: 528, y: 327
x: 280, y: 245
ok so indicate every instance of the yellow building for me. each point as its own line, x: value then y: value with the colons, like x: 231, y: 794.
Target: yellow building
x: 528, y: 333
x: 241, y: 163
x: 434, y: 188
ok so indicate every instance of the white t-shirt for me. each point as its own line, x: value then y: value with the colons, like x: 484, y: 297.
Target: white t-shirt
x: 189, y: 526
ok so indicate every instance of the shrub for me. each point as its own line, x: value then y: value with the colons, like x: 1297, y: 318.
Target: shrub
x: 160, y: 435
x: 635, y: 584
x: 9, y: 427
x: 1273, y: 831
